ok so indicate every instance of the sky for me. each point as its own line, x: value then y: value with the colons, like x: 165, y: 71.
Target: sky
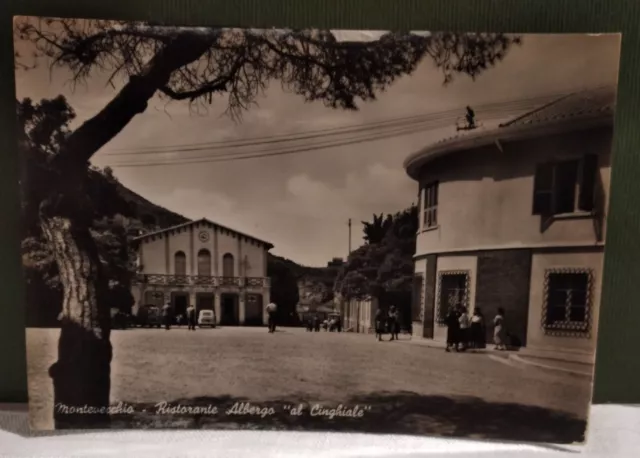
x: 301, y: 203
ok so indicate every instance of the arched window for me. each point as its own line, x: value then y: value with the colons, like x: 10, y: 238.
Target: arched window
x: 227, y: 265
x: 180, y: 263
x: 204, y: 263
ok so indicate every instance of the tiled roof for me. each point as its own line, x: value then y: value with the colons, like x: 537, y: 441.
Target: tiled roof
x: 585, y: 108
x: 594, y: 102
x: 482, y: 128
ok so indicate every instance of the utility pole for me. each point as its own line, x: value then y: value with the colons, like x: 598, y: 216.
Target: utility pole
x: 349, y: 238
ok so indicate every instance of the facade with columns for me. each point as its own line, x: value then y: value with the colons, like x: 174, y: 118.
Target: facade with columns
x: 206, y: 265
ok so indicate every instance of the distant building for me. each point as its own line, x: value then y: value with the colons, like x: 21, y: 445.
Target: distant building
x: 315, y: 298
x: 207, y: 265
x: 514, y: 217
x: 336, y: 262
x: 358, y: 315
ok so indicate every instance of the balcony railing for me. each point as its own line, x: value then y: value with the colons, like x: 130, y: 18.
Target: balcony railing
x: 202, y: 280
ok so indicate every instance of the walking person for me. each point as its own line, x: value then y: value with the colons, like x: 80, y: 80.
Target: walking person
x: 477, y: 329
x: 166, y: 315
x: 191, y: 317
x: 271, y: 312
x: 394, y: 322
x: 453, y: 329
x: 463, y: 341
x: 499, y: 331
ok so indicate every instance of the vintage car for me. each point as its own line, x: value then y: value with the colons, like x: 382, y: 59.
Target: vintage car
x: 149, y: 316
x: 206, y: 318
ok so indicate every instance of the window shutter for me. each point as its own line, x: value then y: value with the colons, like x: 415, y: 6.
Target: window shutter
x: 565, y: 183
x: 543, y: 190
x: 588, y: 183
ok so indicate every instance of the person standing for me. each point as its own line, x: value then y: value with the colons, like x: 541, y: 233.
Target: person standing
x: 191, y: 317
x: 394, y: 322
x: 271, y: 313
x: 499, y: 331
x: 463, y: 341
x: 477, y: 329
x: 453, y: 329
x: 379, y: 324
x: 166, y: 316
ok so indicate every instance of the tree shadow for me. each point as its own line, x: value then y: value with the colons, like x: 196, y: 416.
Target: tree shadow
x: 384, y: 413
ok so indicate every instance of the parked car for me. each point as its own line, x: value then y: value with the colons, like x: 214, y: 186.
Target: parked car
x: 149, y: 315
x: 119, y: 320
x: 206, y: 318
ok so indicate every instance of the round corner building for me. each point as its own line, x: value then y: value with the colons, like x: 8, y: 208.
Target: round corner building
x: 514, y: 217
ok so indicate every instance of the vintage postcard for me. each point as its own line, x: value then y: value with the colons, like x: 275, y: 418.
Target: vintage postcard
x: 313, y: 229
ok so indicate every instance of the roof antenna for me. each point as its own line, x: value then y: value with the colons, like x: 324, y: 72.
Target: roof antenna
x: 469, y: 121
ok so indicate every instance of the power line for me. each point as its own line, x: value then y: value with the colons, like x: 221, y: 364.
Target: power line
x: 416, y: 126
x: 292, y: 149
x: 360, y: 134
x: 278, y: 152
x: 319, y: 133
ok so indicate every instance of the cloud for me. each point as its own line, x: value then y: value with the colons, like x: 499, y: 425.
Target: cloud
x: 375, y: 188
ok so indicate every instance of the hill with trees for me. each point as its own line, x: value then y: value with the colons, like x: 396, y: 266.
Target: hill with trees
x: 117, y: 215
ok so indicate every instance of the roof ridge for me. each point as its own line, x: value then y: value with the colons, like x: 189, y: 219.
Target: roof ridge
x: 203, y: 220
x: 536, y: 110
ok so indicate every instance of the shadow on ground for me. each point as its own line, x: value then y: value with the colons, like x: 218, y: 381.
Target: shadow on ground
x: 389, y: 412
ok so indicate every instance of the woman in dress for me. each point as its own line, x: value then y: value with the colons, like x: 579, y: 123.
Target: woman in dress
x: 463, y: 341
x: 499, y: 331
x: 453, y: 329
x: 477, y: 329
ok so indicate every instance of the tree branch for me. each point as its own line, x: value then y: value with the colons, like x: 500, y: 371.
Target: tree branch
x: 131, y: 100
x: 217, y: 85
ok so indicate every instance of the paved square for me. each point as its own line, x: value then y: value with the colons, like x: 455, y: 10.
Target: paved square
x: 411, y: 388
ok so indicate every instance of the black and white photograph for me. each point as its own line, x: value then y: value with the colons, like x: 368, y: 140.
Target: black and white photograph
x: 313, y: 230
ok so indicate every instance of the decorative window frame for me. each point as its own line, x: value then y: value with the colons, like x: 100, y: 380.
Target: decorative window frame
x: 440, y: 318
x: 575, y: 329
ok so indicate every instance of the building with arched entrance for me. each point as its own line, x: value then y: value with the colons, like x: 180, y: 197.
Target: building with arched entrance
x: 207, y: 265
x: 515, y: 217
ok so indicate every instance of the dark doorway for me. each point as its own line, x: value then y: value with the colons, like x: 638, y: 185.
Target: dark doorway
x: 204, y: 301
x: 253, y: 310
x: 229, y: 315
x: 180, y: 303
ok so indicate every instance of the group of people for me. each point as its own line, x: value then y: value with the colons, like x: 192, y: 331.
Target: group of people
x: 470, y: 332
x: 387, y: 322
x: 167, y: 317
x: 314, y: 323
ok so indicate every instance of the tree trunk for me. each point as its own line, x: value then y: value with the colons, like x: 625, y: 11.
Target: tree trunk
x: 81, y: 375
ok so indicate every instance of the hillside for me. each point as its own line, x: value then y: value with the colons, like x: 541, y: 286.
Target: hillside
x: 116, y: 215
x: 151, y: 216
